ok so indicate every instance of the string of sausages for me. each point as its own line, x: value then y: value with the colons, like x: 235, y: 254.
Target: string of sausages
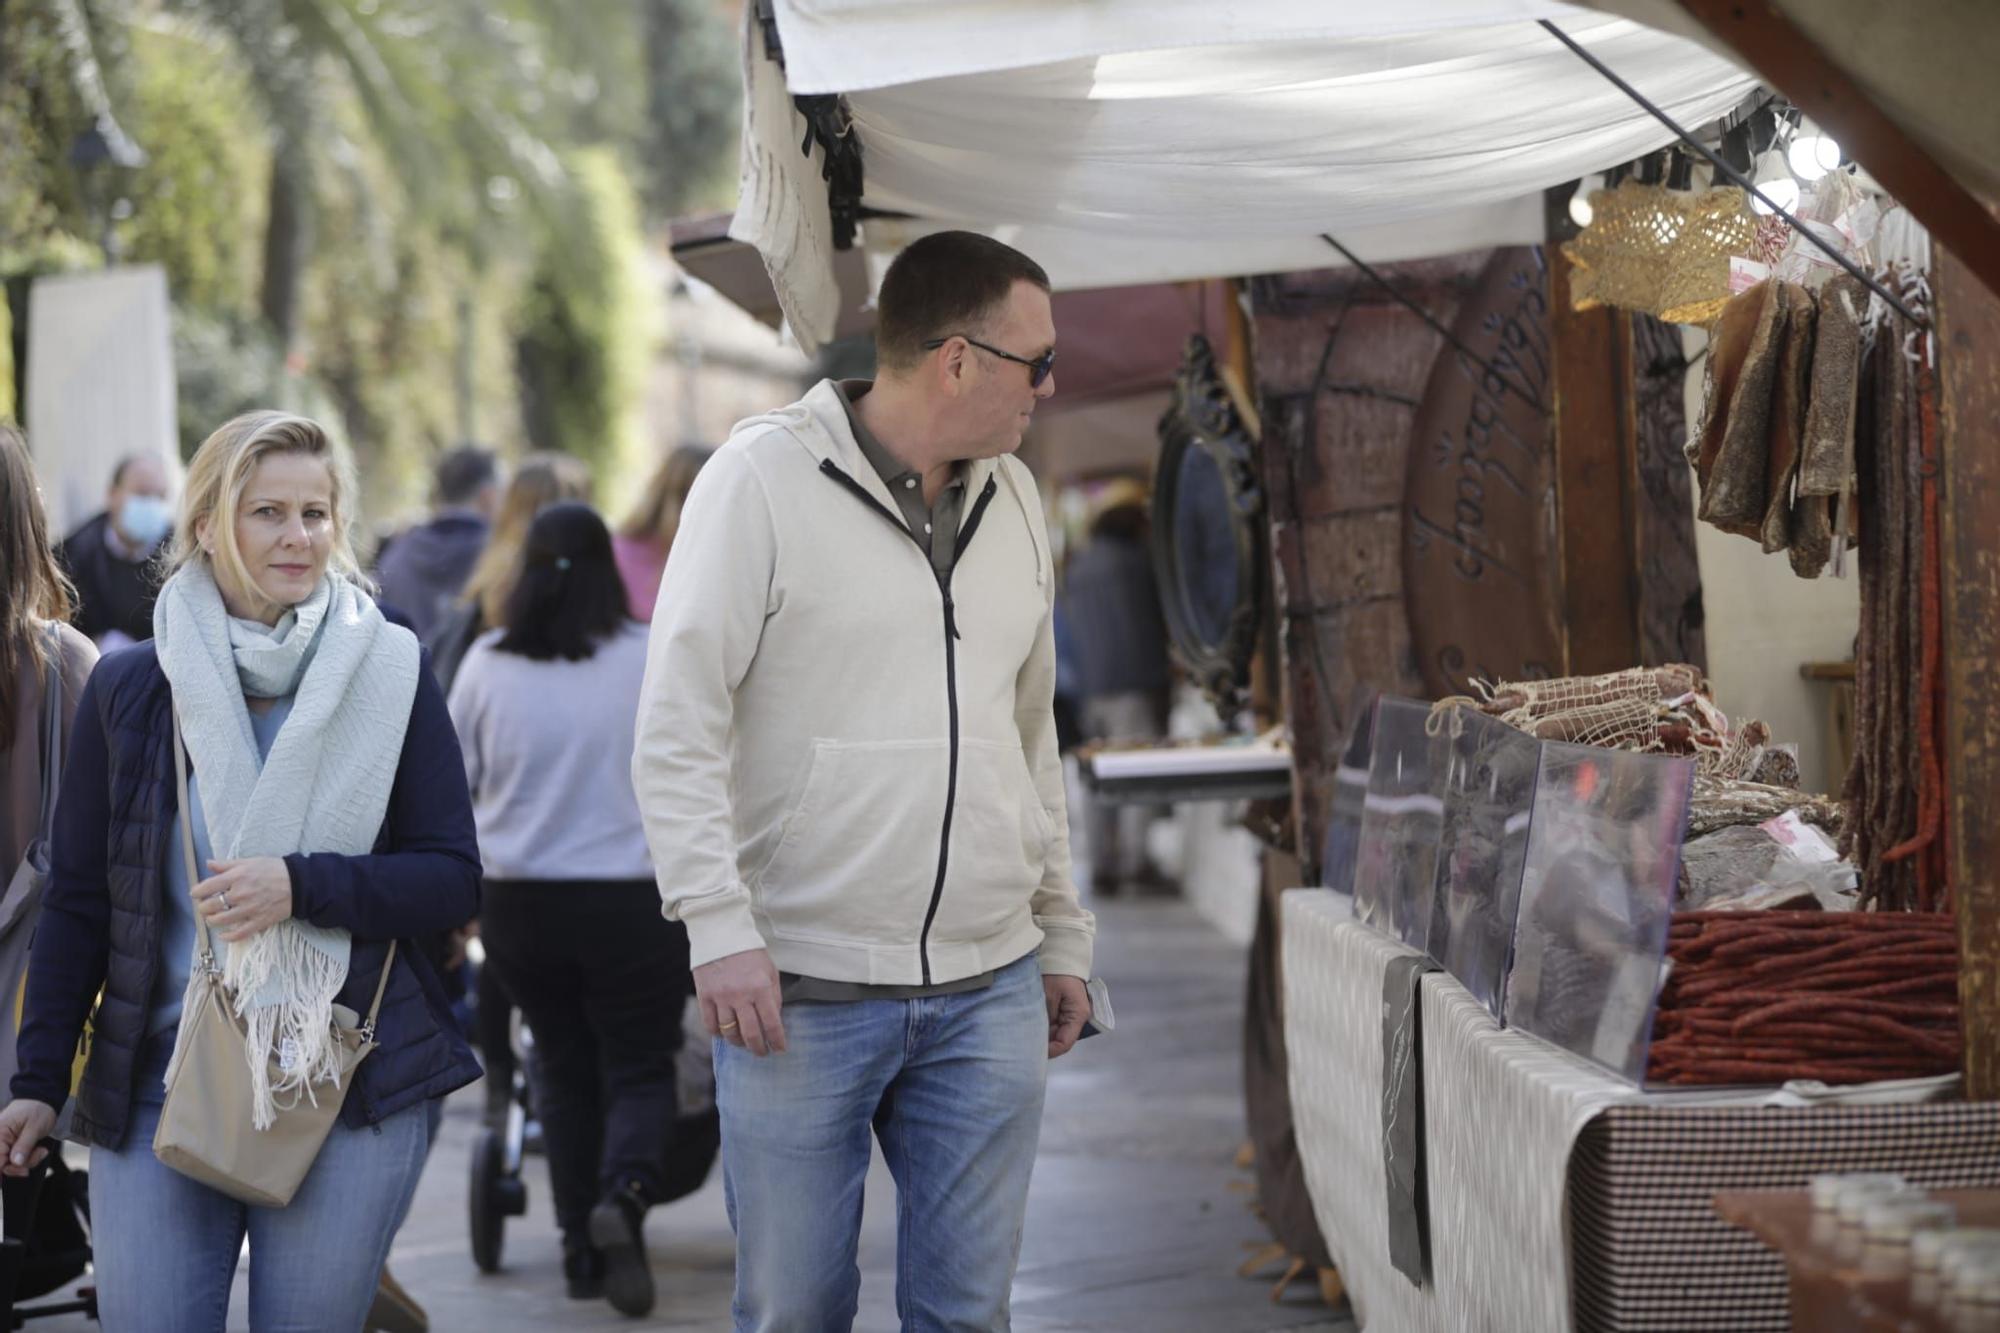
x: 1895, y: 785
x: 1841, y: 997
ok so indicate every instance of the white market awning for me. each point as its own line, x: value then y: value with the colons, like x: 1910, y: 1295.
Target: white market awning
x: 1124, y: 141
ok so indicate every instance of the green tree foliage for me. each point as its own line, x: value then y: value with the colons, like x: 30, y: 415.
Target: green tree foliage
x: 586, y: 326
x: 423, y: 217
x: 201, y: 193
x: 693, y: 105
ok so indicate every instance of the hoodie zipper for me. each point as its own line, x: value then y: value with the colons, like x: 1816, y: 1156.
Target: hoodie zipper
x: 970, y: 526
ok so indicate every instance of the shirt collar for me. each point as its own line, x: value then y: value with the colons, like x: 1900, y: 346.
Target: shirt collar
x: 887, y: 466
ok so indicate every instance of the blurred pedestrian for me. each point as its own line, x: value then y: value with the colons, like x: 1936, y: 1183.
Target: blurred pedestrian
x: 539, y: 481
x: 43, y: 665
x: 112, y: 558
x: 642, y: 542
x: 572, y: 925
x: 847, y: 765
x: 423, y: 570
x: 37, y: 649
x: 1111, y: 605
x: 327, y: 818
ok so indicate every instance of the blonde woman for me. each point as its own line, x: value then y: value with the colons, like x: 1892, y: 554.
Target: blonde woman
x: 330, y: 817
x: 641, y: 544
x: 540, y: 481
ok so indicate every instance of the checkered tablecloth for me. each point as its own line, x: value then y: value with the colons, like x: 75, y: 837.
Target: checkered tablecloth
x: 1540, y: 1164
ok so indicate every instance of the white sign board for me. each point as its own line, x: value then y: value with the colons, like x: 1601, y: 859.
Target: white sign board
x: 100, y: 383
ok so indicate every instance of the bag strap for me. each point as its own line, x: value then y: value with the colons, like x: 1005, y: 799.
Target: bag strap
x: 194, y: 878
x: 207, y: 955
x: 52, y: 747
x: 381, y: 988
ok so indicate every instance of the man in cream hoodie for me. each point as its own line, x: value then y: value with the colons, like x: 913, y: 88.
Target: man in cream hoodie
x: 846, y: 761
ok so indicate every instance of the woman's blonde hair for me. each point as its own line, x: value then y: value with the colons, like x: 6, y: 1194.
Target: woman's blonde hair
x: 32, y: 585
x: 538, y: 482
x: 658, y: 516
x: 221, y: 470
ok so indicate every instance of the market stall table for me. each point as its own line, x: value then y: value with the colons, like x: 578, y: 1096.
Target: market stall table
x: 1559, y: 1196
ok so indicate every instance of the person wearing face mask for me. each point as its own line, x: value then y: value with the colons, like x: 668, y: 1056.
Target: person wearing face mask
x: 110, y: 558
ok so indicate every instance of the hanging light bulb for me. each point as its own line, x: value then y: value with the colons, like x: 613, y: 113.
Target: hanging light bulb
x: 1774, y: 181
x: 1812, y: 154
x: 1580, y: 211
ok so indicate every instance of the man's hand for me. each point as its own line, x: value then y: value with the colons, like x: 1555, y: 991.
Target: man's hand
x: 23, y: 1126
x: 740, y: 1001
x: 1069, y: 1009
x: 245, y: 898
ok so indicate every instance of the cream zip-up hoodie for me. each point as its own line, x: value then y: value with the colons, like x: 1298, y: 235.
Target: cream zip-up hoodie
x: 838, y: 757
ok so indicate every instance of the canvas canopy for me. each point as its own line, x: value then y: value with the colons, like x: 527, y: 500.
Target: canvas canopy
x: 1131, y: 141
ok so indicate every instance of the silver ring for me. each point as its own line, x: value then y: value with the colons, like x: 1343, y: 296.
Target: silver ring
x: 223, y: 898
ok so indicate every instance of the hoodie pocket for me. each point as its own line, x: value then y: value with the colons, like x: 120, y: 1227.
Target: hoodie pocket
x: 858, y: 854
x: 1000, y: 837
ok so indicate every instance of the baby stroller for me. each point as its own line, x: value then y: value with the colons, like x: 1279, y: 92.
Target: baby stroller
x: 46, y: 1246
x: 44, y: 1216
x: 497, y: 1190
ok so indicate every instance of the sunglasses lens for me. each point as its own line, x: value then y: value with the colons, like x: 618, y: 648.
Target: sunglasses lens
x: 1039, y: 371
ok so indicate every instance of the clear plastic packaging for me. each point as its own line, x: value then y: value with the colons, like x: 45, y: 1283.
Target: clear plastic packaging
x: 1402, y: 819
x: 1855, y: 1199
x: 1894, y: 1220
x: 1350, y: 793
x: 1928, y: 1249
x: 1489, y: 793
x: 1597, y: 892
x: 1827, y: 1189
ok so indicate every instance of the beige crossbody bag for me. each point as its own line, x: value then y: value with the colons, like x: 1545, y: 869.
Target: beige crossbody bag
x: 205, y: 1131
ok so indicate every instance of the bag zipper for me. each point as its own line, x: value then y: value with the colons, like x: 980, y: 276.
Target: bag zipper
x: 951, y: 636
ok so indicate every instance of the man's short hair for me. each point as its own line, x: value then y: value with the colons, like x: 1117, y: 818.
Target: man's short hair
x: 950, y: 282
x: 462, y: 472
x: 126, y: 464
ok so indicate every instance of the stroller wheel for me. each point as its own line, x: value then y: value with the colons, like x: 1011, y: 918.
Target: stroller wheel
x: 494, y: 1197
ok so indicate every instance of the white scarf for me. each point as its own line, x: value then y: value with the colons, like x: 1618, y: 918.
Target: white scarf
x: 324, y: 787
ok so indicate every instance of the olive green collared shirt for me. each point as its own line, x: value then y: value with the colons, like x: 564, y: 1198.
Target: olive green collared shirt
x: 935, y: 527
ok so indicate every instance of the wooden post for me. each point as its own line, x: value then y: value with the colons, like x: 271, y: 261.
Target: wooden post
x: 1968, y: 356
x: 1596, y: 471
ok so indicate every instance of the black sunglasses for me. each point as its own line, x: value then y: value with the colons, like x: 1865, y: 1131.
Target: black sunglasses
x: 1038, y: 369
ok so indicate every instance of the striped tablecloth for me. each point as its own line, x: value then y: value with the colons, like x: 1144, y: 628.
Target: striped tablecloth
x: 1526, y: 1145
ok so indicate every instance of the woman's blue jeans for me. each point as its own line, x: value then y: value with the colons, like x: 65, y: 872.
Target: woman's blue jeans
x: 952, y: 1086
x: 165, y: 1247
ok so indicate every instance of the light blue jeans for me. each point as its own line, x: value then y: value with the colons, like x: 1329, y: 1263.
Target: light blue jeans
x: 952, y: 1086
x: 165, y: 1247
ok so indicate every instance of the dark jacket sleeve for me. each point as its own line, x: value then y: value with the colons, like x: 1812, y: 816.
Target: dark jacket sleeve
x: 425, y: 875
x: 72, y: 945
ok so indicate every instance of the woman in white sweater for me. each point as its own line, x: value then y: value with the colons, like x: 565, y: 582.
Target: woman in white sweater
x: 545, y: 707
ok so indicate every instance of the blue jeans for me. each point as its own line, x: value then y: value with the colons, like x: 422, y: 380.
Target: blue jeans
x: 952, y: 1086
x: 165, y: 1247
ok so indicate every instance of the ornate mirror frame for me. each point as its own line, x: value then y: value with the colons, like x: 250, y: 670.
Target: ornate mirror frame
x: 1204, y: 418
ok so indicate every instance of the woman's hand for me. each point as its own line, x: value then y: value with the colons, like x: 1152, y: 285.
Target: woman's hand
x: 23, y: 1126
x: 243, y: 899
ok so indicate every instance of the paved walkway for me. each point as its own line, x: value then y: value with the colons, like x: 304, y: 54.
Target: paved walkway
x: 1137, y: 1219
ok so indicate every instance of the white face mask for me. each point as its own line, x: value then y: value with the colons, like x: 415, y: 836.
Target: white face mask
x: 145, y: 519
